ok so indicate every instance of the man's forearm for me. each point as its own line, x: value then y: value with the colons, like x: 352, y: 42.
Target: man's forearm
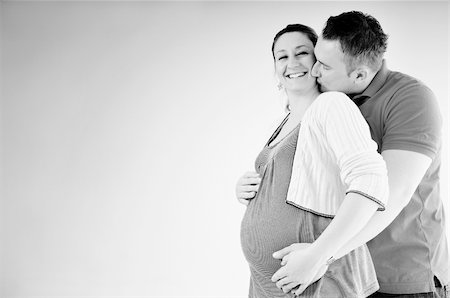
x: 378, y: 222
x: 352, y: 216
x: 405, y: 170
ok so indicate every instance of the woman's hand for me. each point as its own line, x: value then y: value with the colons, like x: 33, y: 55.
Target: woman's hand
x: 300, y: 268
x: 247, y: 187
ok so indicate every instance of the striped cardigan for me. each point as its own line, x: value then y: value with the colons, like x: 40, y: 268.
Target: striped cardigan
x: 335, y: 155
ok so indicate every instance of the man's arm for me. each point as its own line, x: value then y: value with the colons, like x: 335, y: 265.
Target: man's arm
x: 302, y: 266
x: 405, y: 171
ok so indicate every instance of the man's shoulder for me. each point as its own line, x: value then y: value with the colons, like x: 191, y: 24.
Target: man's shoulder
x: 401, y: 81
x: 409, y: 102
x: 400, y: 87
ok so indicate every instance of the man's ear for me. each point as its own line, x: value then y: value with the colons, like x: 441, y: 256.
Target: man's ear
x: 360, y: 75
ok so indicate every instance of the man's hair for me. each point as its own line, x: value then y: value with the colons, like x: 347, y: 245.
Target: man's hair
x: 361, y: 38
x: 308, y: 31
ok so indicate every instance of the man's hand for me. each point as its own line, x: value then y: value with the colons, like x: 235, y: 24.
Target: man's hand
x: 247, y: 187
x: 300, y: 267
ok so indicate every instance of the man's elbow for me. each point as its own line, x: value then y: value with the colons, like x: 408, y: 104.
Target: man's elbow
x: 398, y: 199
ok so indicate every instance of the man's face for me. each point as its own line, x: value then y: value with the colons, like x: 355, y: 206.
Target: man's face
x: 330, y: 67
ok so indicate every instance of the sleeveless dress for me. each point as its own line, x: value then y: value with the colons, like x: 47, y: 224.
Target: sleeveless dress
x: 270, y: 224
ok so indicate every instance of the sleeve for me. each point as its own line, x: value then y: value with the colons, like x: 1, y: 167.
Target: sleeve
x: 362, y: 168
x: 413, y: 121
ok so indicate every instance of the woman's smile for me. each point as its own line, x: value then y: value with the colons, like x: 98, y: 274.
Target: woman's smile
x: 296, y: 75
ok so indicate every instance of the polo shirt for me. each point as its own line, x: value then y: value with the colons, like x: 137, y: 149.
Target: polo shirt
x: 403, y: 114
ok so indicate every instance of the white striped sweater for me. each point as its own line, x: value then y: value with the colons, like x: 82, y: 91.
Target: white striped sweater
x: 335, y: 155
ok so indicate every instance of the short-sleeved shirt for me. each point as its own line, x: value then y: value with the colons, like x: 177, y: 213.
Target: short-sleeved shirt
x: 403, y: 114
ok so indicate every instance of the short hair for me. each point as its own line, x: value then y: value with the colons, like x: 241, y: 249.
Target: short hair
x: 308, y: 31
x: 361, y: 37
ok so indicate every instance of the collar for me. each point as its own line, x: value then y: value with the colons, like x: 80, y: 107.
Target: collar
x: 374, y: 86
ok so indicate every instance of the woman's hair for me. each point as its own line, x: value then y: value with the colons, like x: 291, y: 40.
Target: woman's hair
x: 308, y: 31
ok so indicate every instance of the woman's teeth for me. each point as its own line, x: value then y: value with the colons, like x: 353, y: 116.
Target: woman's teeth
x: 296, y: 75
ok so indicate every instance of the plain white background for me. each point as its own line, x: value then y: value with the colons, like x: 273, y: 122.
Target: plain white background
x: 125, y: 125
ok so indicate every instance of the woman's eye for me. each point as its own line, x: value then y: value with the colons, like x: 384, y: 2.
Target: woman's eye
x: 302, y: 53
x: 282, y: 57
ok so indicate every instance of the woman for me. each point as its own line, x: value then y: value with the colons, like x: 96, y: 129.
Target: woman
x: 318, y: 180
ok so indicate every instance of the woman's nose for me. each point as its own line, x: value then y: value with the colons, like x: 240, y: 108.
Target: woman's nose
x: 292, y: 62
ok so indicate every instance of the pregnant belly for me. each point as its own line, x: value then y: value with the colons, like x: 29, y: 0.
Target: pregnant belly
x: 268, y: 226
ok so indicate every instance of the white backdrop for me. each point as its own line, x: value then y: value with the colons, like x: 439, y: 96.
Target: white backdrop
x: 125, y: 125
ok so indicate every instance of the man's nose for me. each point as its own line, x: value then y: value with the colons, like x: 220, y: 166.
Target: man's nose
x: 315, y: 70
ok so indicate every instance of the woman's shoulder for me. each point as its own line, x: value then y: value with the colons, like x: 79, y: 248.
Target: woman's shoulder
x: 333, y: 98
x: 333, y: 102
x: 332, y: 105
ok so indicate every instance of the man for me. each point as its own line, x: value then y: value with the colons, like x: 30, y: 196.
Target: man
x: 409, y: 250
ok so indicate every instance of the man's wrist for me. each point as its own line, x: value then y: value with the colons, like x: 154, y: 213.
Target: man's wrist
x: 324, y: 253
x: 330, y: 261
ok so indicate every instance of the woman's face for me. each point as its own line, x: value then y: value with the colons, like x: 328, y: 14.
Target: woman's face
x: 294, y: 59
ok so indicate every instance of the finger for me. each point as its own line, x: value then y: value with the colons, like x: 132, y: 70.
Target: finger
x: 282, y: 252
x: 287, y: 288
x: 243, y: 180
x: 244, y: 201
x: 283, y: 282
x: 251, y: 181
x: 246, y: 195
x: 249, y: 188
x: 301, y: 288
x: 295, y: 289
x: 281, y: 273
x: 285, y: 260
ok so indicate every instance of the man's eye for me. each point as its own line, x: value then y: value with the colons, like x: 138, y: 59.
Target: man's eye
x: 282, y: 57
x: 325, y: 67
x: 302, y: 53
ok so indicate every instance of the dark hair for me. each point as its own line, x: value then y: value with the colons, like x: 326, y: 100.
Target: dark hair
x: 295, y: 28
x: 361, y: 37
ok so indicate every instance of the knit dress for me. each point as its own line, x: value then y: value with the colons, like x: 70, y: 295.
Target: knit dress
x: 270, y: 224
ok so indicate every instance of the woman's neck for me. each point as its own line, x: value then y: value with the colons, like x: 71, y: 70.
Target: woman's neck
x: 300, y: 102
